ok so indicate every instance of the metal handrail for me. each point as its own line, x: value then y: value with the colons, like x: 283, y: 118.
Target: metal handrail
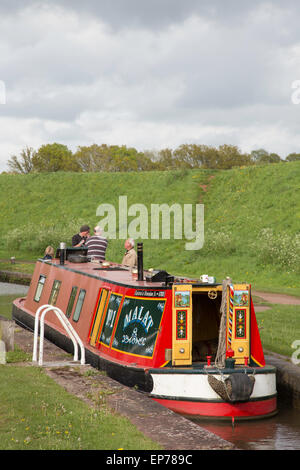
x: 65, y: 323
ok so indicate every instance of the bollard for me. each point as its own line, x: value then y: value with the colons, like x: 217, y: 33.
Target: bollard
x: 2, y: 352
x: 7, y: 330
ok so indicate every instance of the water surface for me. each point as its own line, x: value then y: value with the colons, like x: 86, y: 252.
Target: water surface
x: 7, y: 288
x: 280, y: 432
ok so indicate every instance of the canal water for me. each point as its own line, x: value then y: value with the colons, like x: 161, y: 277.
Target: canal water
x: 280, y: 432
x: 7, y: 288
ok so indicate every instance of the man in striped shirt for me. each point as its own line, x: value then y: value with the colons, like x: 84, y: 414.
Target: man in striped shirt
x: 96, y: 245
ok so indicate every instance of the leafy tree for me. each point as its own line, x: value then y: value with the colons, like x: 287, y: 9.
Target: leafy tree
x: 54, y: 157
x: 90, y: 158
x: 112, y: 158
x: 258, y: 155
x: 261, y: 156
x: 230, y: 156
x: 186, y: 156
x: 203, y: 156
x: 145, y: 162
x: 24, y: 163
x: 165, y: 160
x: 209, y: 156
x: 123, y: 158
x: 274, y: 158
x: 293, y: 157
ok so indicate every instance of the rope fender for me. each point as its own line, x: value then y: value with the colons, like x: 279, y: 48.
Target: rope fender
x: 235, y: 388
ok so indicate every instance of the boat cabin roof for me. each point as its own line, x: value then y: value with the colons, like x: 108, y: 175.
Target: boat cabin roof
x: 122, y: 275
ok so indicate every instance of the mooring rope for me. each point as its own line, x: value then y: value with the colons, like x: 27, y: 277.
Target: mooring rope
x: 221, y: 352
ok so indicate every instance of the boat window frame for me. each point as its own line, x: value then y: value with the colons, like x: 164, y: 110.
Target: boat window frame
x: 71, y: 301
x: 105, y: 318
x: 54, y: 292
x: 78, y: 306
x: 139, y: 301
x: 40, y: 285
x: 103, y: 299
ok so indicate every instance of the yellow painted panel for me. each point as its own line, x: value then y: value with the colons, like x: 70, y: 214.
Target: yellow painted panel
x: 98, y: 318
x: 182, y: 324
x: 238, y: 321
x: 181, y: 350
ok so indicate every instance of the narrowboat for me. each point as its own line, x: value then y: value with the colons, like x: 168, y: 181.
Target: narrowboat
x: 192, y: 345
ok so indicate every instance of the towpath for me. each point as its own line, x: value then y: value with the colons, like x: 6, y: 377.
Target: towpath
x: 278, y: 298
x: 273, y: 298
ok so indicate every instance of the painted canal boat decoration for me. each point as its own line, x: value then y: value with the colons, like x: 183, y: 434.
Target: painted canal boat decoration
x: 194, y: 347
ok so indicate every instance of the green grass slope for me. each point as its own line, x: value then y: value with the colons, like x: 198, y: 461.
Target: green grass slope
x: 252, y: 218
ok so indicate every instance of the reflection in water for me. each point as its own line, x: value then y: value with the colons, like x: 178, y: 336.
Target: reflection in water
x: 280, y: 432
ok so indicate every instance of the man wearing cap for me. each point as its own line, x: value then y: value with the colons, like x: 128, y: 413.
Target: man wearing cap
x: 80, y: 238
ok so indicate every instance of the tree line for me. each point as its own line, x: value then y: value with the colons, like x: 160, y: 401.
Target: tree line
x: 113, y: 158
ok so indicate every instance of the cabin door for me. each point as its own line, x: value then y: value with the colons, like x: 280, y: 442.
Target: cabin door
x: 238, y: 321
x: 98, y: 316
x: 182, y: 324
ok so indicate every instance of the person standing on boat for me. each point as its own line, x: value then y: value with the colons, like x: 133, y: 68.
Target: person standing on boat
x: 130, y: 257
x: 80, y: 238
x: 96, y: 245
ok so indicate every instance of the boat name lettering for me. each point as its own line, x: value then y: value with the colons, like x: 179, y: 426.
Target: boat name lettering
x: 145, y: 319
x: 110, y: 317
x: 134, y: 339
x: 150, y: 293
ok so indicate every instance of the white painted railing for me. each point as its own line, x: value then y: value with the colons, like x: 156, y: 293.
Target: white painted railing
x: 65, y: 323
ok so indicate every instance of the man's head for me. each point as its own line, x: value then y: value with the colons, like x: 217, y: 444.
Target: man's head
x: 129, y: 243
x: 84, y: 230
x: 98, y: 231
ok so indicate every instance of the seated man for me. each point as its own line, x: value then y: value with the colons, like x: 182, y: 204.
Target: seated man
x: 130, y: 257
x: 80, y: 238
x: 96, y: 245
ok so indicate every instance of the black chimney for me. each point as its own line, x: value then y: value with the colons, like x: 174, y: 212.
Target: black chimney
x: 62, y: 256
x: 140, y: 262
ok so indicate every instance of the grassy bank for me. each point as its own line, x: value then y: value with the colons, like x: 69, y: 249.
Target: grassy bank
x: 252, y: 218
x: 38, y: 414
x: 279, y: 328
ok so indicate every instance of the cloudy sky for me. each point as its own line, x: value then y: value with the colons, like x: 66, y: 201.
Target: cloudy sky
x: 149, y: 74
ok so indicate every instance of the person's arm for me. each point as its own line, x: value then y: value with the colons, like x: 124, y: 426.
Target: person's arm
x: 82, y: 242
x: 76, y: 243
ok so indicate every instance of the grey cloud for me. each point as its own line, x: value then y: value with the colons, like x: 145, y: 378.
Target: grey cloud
x: 160, y: 14
x: 166, y: 70
x: 153, y: 14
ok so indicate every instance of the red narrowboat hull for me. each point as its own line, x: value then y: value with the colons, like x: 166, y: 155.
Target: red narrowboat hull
x: 254, y: 409
x: 127, y: 329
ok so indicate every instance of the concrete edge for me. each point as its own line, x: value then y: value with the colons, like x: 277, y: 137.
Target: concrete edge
x: 287, y: 378
x: 15, y: 277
